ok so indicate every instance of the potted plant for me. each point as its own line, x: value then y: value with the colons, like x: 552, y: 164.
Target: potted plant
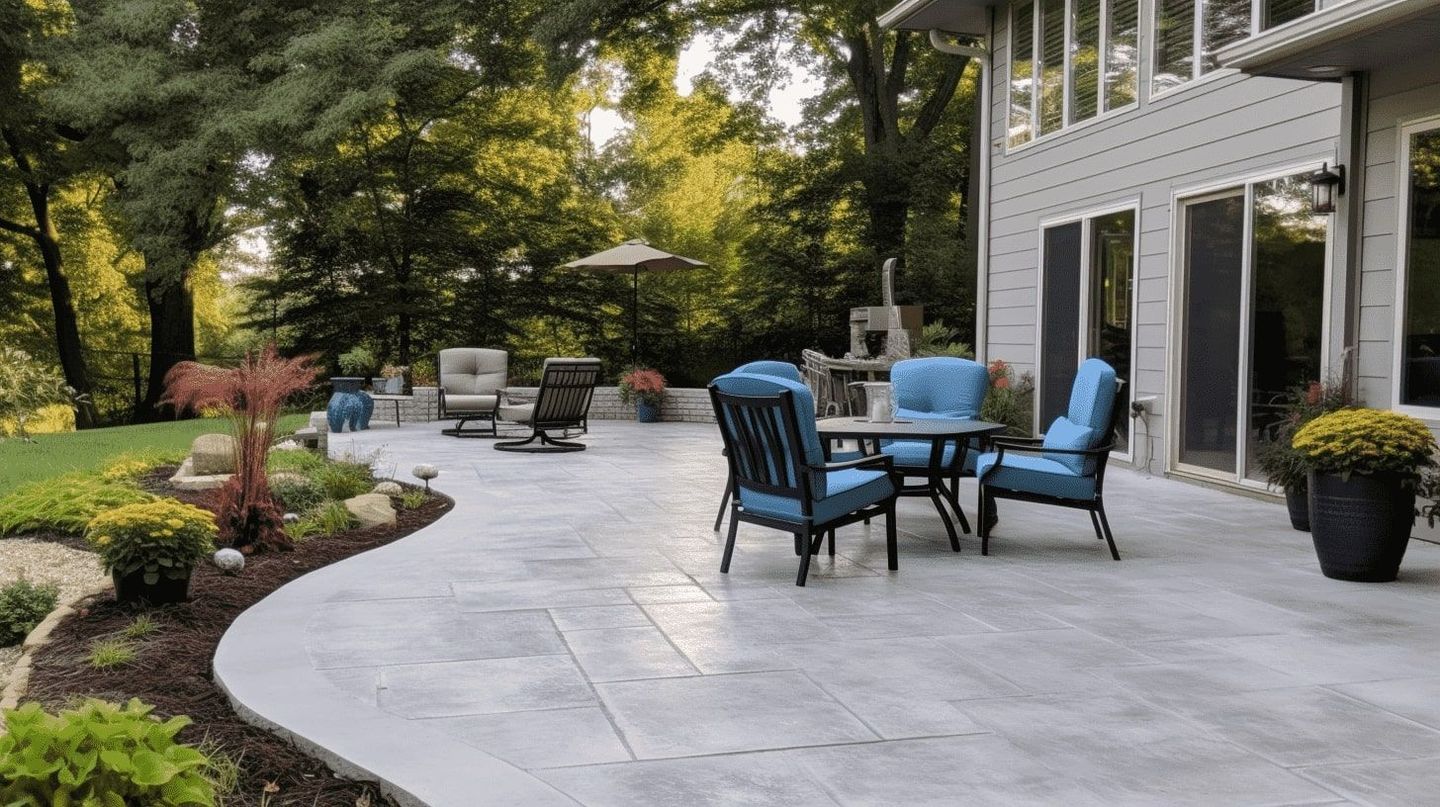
x: 151, y: 548
x: 1283, y: 465
x: 644, y: 387
x: 349, y: 403
x: 1364, y: 466
x: 394, y: 375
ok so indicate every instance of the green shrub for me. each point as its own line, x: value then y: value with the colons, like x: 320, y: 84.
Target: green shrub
x: 341, y: 480
x: 299, y: 495
x: 100, y: 755
x: 22, y: 605
x: 1010, y: 400
x: 107, y: 653
x: 414, y: 499
x: 27, y: 387
x: 130, y: 466
x: 163, y: 537
x: 64, y: 504
x: 301, y: 462
x: 329, y: 519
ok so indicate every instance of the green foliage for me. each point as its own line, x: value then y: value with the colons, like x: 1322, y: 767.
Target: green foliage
x: 1284, y: 465
x: 939, y: 339
x: 26, y: 387
x: 297, y: 495
x: 129, y: 467
x: 100, y: 755
x: 163, y: 538
x: 357, y: 361
x: 112, y: 652
x: 414, y: 499
x: 22, y: 605
x: 1010, y: 400
x: 341, y: 480
x: 65, y: 504
x: 329, y: 519
x: 140, y: 628
x: 300, y: 462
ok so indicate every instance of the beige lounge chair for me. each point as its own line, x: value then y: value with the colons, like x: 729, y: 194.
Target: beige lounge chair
x: 472, y: 381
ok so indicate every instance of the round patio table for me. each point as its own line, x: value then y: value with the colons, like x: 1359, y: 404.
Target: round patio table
x: 938, y: 431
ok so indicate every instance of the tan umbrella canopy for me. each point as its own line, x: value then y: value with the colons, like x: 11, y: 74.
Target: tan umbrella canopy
x: 635, y: 256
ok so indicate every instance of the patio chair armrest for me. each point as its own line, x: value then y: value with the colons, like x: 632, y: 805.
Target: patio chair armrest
x: 882, y: 461
x: 1040, y: 449
x: 1016, y: 442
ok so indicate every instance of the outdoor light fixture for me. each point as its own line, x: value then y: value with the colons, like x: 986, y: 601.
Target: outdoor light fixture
x: 1325, y: 185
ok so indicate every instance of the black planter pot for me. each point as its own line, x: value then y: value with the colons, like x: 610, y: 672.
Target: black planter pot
x: 132, y: 588
x: 1360, y: 525
x: 1297, y: 500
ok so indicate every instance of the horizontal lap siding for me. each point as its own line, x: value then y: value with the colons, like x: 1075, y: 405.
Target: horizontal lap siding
x: 1221, y: 128
x: 1398, y: 95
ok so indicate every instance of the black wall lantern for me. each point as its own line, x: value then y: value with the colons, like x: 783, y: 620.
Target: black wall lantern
x: 1325, y: 186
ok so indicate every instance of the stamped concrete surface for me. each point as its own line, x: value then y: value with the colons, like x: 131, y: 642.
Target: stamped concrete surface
x: 565, y: 636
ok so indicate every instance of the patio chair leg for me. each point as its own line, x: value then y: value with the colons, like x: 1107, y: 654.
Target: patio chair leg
x: 832, y: 543
x: 799, y: 544
x: 804, y: 567
x: 892, y: 554
x: 987, y: 503
x: 1109, y: 538
x: 724, y: 502
x: 729, y: 545
x: 547, y: 445
x: 1095, y: 522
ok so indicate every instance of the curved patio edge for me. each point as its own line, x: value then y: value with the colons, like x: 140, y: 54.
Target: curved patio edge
x: 264, y: 669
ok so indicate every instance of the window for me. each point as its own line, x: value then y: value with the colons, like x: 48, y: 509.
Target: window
x: 1070, y: 61
x: 1183, y: 26
x: 1112, y: 280
x: 1419, y: 336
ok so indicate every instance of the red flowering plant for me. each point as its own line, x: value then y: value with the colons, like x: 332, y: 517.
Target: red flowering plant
x: 1284, y: 467
x: 251, y: 395
x: 642, y: 384
x: 1010, y: 400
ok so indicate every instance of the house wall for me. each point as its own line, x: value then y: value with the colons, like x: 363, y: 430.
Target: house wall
x: 1398, y: 95
x: 1223, y: 127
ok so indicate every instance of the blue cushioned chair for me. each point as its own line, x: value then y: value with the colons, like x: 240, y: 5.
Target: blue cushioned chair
x: 778, y: 472
x: 778, y: 369
x: 1066, y: 466
x: 929, y: 388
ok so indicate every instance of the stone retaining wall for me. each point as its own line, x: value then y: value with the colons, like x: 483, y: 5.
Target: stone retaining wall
x: 689, y: 405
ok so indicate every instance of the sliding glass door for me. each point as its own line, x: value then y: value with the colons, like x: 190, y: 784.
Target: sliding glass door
x: 1251, y: 320
x: 1087, y: 306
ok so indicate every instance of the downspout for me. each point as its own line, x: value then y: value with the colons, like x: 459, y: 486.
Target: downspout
x: 981, y: 53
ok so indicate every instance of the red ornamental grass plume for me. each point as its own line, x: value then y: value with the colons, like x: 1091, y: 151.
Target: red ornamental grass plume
x: 251, y: 395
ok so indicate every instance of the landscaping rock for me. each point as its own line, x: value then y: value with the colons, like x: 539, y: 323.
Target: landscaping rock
x: 185, y: 478
x: 371, y: 509
x: 389, y: 488
x: 212, y: 454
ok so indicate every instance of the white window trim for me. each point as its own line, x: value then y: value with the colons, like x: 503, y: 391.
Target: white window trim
x: 1210, y: 191
x: 1405, y: 129
x: 1085, y: 218
x: 1103, y: 113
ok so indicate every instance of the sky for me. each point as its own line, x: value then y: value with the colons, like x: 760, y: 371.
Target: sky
x: 784, y: 105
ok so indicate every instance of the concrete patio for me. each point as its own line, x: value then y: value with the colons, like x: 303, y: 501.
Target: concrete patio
x: 564, y: 636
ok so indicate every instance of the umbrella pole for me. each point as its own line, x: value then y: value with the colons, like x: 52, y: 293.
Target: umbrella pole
x: 635, y: 317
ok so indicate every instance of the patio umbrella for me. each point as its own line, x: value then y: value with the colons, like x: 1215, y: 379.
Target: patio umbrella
x: 635, y: 256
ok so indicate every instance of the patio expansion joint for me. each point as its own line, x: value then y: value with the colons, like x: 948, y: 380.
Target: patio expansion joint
x: 599, y: 701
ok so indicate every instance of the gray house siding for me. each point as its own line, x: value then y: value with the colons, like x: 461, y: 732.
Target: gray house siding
x: 1398, y: 95
x: 1222, y: 128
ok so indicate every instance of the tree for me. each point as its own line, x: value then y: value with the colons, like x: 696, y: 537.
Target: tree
x: 33, y: 164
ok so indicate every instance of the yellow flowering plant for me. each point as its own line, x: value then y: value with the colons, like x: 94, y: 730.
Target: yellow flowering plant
x: 1366, y: 441
x: 161, y: 538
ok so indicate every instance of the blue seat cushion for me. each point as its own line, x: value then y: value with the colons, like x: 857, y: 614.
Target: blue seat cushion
x: 915, y: 454
x: 1069, y: 436
x: 1092, y: 396
x: 779, y: 369
x: 848, y: 490
x: 1031, y: 474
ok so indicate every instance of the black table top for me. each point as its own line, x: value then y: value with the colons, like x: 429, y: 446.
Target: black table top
x: 918, y: 428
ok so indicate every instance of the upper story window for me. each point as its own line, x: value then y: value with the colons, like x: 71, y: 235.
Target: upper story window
x: 1189, y: 32
x: 1070, y: 61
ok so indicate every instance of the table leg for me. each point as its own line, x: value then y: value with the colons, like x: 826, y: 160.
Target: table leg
x: 935, y: 484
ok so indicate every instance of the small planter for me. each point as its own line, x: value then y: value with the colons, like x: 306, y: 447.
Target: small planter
x: 132, y: 588
x: 647, y: 412
x: 1361, y: 525
x: 1297, y: 500
x: 348, y: 405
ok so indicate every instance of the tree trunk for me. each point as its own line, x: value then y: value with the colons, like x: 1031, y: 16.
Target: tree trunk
x: 172, y: 340
x: 67, y: 326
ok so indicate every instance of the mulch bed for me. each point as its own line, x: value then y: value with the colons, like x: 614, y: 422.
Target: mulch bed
x: 173, y: 668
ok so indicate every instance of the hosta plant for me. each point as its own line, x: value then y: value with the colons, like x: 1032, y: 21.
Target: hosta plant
x: 1366, y: 441
x: 100, y: 755
x: 161, y: 538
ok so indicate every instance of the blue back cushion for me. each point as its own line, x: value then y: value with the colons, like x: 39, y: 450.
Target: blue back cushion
x: 1092, y: 396
x: 939, y: 386
x: 1071, y: 436
x: 751, y: 384
x: 779, y: 369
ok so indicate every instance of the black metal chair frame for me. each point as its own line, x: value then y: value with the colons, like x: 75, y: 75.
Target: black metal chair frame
x: 758, y: 461
x: 458, y: 430
x: 562, y: 403
x: 1032, y: 445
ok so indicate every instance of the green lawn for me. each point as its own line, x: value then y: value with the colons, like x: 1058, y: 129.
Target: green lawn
x: 54, y: 454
